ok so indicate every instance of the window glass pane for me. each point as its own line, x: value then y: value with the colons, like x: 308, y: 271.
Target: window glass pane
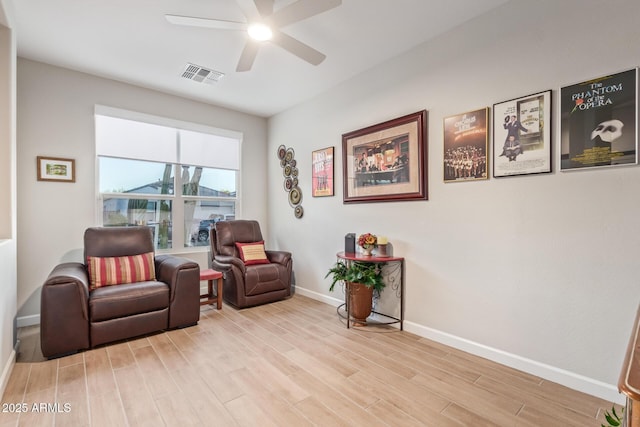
x: 200, y: 215
x: 208, y: 182
x: 135, y: 176
x: 118, y: 211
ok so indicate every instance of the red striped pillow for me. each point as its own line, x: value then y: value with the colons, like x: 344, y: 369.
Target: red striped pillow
x: 107, y: 271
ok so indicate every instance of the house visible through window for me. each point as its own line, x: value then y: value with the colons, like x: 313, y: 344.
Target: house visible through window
x: 177, y: 178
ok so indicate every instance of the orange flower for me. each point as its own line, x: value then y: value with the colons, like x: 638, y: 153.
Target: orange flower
x: 367, y: 240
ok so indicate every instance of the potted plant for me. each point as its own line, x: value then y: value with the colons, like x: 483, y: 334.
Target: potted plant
x: 361, y: 278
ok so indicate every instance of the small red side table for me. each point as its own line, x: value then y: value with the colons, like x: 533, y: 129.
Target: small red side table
x: 210, y: 275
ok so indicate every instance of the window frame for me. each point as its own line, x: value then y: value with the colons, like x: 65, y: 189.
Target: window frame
x: 177, y: 199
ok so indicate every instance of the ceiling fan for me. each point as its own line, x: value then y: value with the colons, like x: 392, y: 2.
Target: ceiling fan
x: 264, y: 24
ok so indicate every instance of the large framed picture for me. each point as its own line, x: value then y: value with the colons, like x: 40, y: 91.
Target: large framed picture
x: 56, y: 169
x: 322, y: 172
x: 522, y: 135
x: 387, y: 161
x: 466, y: 143
x: 599, y: 124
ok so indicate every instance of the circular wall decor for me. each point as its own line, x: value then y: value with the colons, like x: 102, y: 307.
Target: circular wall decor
x: 290, y: 184
x: 289, y: 154
x: 295, y: 196
x: 282, y: 151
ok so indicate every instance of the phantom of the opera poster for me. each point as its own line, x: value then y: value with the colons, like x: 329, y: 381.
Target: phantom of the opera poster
x: 599, y: 122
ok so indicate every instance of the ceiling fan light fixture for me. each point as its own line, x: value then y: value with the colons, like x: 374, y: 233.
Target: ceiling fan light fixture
x: 260, y: 32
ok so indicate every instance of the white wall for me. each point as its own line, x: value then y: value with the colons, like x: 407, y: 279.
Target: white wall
x: 538, y: 272
x: 55, y: 118
x: 7, y: 191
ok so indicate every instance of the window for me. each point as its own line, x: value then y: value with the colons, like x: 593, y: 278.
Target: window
x: 177, y: 178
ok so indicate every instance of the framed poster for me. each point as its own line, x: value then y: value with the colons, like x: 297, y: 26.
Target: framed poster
x: 322, y: 172
x: 599, y: 124
x: 387, y: 161
x: 522, y: 135
x: 56, y: 169
x: 466, y: 143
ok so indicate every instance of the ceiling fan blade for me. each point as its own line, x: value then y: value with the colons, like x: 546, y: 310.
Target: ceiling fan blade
x: 248, y: 56
x: 249, y: 10
x: 302, y: 9
x: 265, y: 7
x: 218, y: 24
x: 298, y: 48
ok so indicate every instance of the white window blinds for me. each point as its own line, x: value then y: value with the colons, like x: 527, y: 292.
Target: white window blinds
x: 130, y: 135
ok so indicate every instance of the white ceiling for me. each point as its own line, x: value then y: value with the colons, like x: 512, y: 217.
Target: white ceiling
x: 130, y: 41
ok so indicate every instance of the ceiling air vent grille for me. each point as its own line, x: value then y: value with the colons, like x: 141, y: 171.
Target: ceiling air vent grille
x: 200, y: 74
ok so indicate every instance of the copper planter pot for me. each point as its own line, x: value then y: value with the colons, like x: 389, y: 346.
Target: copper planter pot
x: 360, y: 302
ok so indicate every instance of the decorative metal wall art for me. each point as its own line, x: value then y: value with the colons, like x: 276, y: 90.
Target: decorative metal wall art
x: 290, y: 172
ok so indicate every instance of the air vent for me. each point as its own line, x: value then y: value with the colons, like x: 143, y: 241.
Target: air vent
x: 201, y: 75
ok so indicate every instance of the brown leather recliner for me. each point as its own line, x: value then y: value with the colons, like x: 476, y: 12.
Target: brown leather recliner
x: 73, y: 317
x: 248, y: 285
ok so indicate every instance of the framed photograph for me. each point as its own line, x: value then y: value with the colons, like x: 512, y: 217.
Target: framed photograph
x: 386, y: 162
x: 322, y: 172
x: 466, y: 144
x: 522, y: 135
x: 599, y: 123
x: 56, y: 169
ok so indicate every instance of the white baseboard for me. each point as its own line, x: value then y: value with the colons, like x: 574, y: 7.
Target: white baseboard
x: 566, y: 378
x: 6, y: 372
x: 319, y: 297
x: 23, y: 321
x: 551, y: 373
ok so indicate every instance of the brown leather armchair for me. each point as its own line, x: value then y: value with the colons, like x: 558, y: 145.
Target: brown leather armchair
x: 73, y: 317
x: 248, y: 285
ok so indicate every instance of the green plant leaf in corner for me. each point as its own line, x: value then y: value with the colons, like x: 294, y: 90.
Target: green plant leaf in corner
x: 617, y: 417
x: 614, y: 422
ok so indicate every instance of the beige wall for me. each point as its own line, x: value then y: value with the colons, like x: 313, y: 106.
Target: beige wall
x: 55, y: 118
x: 538, y: 272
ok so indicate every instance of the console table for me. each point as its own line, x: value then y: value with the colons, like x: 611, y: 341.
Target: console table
x: 629, y: 382
x: 393, y: 273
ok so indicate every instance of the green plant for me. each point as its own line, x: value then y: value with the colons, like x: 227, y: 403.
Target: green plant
x: 366, y: 273
x: 613, y: 419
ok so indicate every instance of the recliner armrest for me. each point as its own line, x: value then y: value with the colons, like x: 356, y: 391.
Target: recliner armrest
x: 183, y: 278
x: 168, y: 267
x: 71, y: 273
x: 224, y: 263
x: 64, y: 310
x: 279, y: 257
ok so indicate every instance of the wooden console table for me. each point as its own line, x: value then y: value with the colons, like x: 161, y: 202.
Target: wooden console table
x: 395, y: 285
x: 629, y: 382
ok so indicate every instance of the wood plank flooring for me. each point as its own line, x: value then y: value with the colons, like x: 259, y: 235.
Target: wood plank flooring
x: 291, y: 363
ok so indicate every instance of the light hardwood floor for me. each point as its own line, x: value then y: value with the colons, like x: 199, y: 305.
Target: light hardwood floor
x: 291, y: 363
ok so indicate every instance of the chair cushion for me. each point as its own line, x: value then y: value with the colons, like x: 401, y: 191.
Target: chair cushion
x: 112, y: 302
x: 252, y: 253
x: 107, y: 271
